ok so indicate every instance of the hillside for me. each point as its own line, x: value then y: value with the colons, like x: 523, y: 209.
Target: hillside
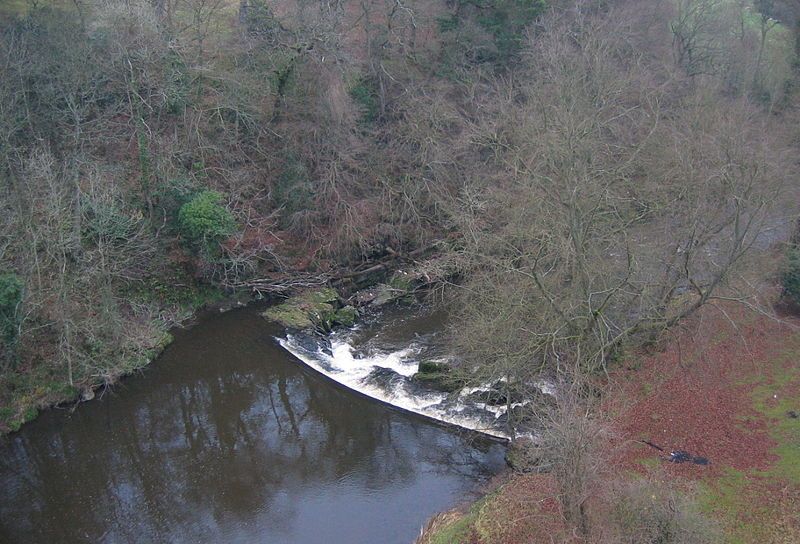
x: 586, y: 186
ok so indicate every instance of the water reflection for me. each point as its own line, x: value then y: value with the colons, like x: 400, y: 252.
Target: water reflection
x: 227, y: 440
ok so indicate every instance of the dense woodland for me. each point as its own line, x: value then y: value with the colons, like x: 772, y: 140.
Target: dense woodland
x: 570, y: 177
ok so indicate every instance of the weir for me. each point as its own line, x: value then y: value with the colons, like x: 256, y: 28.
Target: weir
x: 387, y: 377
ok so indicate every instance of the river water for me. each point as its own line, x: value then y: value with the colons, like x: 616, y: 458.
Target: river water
x: 229, y: 438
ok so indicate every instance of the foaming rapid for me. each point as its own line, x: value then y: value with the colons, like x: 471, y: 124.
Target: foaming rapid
x: 385, y: 375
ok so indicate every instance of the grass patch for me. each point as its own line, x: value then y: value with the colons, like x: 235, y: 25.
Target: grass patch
x: 454, y: 533
x: 726, y: 498
x: 651, y: 463
x: 458, y: 529
x: 748, y: 502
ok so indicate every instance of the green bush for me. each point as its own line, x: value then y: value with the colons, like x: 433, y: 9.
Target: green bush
x: 11, y: 290
x: 204, y: 220
x: 790, y: 277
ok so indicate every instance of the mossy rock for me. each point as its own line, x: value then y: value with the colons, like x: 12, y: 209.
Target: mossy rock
x: 325, y: 295
x: 322, y: 314
x: 309, y: 310
x: 384, y: 294
x: 289, y: 315
x: 522, y: 455
x: 428, y: 367
x: 402, y: 281
x: 441, y: 381
x: 346, y: 316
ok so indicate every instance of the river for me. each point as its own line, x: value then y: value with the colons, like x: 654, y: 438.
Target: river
x: 228, y: 437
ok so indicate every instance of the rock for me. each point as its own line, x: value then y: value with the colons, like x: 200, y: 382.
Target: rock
x: 385, y: 378
x: 289, y: 315
x: 498, y: 394
x: 384, y: 294
x: 431, y: 366
x: 399, y: 288
x: 521, y: 419
x: 402, y: 282
x: 315, y: 309
x: 322, y: 315
x: 313, y: 342
x: 325, y: 295
x: 346, y: 316
x: 492, y: 397
x: 523, y: 455
x: 439, y: 381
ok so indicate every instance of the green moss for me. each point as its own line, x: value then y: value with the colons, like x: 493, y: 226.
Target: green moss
x: 175, y: 289
x: 161, y: 345
x: 15, y: 420
x: 289, y: 315
x: 317, y: 308
x: 14, y: 425
x: 439, y: 376
x: 29, y: 414
x: 319, y: 296
x: 442, y: 381
x: 402, y: 282
x: 456, y: 532
x: 346, y: 316
x: 323, y: 315
x: 462, y: 529
x: 24, y: 392
x: 431, y: 366
x: 62, y: 390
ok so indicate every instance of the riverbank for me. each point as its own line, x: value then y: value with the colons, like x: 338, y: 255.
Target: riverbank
x: 28, y: 390
x: 156, y: 307
x: 724, y: 386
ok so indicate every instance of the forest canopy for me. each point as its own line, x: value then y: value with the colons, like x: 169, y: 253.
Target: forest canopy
x: 586, y: 173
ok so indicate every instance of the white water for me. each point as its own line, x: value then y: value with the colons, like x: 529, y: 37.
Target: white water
x: 343, y: 366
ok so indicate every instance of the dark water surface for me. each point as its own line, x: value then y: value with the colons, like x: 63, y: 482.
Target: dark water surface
x: 228, y: 438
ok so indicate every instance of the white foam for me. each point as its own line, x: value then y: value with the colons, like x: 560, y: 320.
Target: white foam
x: 343, y: 366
